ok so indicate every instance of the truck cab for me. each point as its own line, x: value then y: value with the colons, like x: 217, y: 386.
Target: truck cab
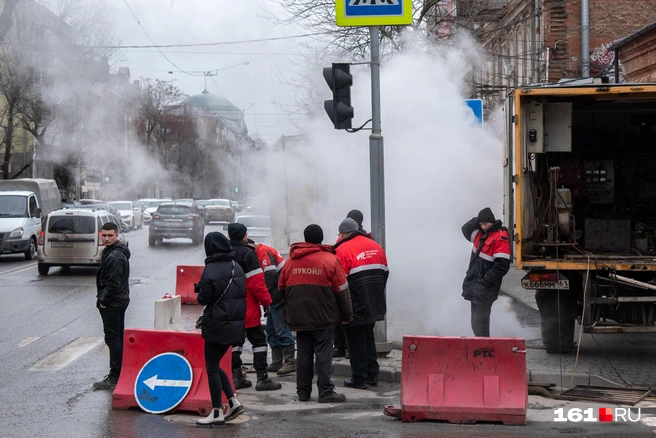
x: 20, y: 223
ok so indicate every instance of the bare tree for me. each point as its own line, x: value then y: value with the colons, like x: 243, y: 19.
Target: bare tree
x: 155, y: 97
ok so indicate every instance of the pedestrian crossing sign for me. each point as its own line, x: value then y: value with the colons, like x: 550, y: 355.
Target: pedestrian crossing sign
x: 373, y: 12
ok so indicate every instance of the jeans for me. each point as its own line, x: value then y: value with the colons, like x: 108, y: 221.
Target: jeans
x: 216, y: 377
x: 278, y: 334
x: 362, y: 350
x: 257, y: 338
x: 114, y: 326
x: 480, y: 320
x: 309, y: 344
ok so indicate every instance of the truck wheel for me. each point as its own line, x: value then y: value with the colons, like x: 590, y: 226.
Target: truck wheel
x: 152, y: 240
x: 557, y: 316
x: 31, y: 251
x: 43, y: 269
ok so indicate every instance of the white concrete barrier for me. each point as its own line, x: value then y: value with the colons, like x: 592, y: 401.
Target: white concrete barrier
x: 168, y: 314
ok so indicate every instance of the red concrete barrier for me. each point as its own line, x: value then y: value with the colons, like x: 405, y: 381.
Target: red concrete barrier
x: 185, y: 277
x: 463, y: 380
x: 139, y: 346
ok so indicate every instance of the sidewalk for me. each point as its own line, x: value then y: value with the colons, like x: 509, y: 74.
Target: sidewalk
x: 630, y: 354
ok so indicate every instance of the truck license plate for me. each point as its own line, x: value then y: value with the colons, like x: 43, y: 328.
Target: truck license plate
x: 61, y: 244
x: 560, y: 284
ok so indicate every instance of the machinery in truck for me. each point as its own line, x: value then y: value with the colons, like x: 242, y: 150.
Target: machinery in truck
x: 580, y: 205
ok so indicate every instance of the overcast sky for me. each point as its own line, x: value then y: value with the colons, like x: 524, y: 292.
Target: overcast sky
x: 250, y: 75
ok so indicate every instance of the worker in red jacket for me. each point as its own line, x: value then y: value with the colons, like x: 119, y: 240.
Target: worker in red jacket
x: 256, y: 295
x: 279, y: 336
x: 365, y: 264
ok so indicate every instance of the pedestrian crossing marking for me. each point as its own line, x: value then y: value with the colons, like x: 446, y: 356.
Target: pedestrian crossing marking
x: 373, y: 2
x: 66, y: 354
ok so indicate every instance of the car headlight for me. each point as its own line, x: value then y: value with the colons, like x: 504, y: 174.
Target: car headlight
x: 18, y: 232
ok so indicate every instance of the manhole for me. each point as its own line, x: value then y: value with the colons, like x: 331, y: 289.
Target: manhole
x: 625, y: 396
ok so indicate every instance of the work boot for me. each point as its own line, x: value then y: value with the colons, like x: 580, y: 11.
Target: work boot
x: 239, y: 379
x: 332, y: 397
x: 265, y: 383
x: 235, y: 409
x: 214, y: 419
x: 290, y: 362
x: 108, y: 382
x: 276, y: 360
x: 349, y: 383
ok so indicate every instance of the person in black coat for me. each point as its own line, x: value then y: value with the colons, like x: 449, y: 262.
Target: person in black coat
x: 112, y: 299
x: 222, y: 289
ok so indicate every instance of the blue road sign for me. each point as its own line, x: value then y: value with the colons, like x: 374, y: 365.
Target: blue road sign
x: 373, y: 12
x: 475, y: 111
x: 163, y: 383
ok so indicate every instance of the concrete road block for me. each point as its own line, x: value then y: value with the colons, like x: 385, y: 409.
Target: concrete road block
x: 168, y: 314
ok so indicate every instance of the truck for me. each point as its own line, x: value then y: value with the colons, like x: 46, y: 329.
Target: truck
x: 580, y: 204
x: 24, y: 203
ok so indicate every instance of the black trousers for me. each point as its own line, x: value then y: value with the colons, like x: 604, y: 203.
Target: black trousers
x: 216, y: 377
x: 257, y: 338
x: 362, y: 350
x: 340, y: 339
x: 311, y: 344
x: 114, y: 325
x: 480, y: 320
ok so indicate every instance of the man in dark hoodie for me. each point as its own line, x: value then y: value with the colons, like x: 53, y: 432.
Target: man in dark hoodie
x: 314, y: 286
x: 489, y: 262
x: 113, y: 297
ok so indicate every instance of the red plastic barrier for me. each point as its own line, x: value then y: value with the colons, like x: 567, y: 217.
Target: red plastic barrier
x: 139, y: 346
x: 185, y: 277
x: 463, y: 380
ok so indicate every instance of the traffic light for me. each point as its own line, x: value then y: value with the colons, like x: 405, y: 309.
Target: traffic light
x: 339, y: 109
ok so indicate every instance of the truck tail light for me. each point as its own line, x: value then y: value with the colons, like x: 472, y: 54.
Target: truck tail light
x: 100, y: 241
x: 542, y: 276
x: 42, y: 238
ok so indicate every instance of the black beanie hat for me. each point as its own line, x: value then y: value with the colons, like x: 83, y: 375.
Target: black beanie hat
x: 236, y: 231
x: 313, y: 234
x: 486, y: 215
x: 356, y: 215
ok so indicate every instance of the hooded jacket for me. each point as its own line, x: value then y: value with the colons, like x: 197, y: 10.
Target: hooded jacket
x: 271, y: 263
x: 489, y: 262
x: 314, y: 286
x: 256, y: 291
x: 365, y: 264
x: 113, y: 277
x: 223, y: 321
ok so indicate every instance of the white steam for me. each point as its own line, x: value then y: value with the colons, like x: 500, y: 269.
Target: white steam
x: 440, y: 170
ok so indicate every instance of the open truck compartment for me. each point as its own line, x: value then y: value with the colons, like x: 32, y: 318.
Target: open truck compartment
x: 584, y: 162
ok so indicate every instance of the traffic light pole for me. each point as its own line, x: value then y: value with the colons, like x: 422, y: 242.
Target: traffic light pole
x: 377, y: 173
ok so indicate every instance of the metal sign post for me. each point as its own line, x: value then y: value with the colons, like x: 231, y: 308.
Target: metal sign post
x: 377, y: 173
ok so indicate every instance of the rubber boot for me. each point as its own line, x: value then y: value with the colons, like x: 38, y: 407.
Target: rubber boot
x: 265, y: 383
x: 276, y: 360
x: 240, y: 380
x: 290, y: 363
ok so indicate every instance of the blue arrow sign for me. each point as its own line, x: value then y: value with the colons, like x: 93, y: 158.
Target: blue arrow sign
x: 163, y: 383
x: 475, y: 111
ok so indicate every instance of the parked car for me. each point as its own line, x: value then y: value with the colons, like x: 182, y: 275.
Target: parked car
x: 100, y: 205
x: 259, y: 227
x: 131, y: 214
x: 219, y: 210
x: 71, y: 237
x: 173, y: 220
x: 185, y: 200
x: 237, y: 205
x: 200, y: 203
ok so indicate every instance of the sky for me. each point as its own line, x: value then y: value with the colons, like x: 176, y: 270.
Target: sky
x: 252, y: 76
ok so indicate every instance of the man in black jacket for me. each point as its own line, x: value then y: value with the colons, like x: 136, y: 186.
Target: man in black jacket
x: 113, y: 297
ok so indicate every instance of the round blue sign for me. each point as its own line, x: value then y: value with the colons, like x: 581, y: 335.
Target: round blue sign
x: 163, y: 382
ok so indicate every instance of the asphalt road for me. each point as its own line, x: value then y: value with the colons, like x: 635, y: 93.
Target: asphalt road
x: 52, y: 350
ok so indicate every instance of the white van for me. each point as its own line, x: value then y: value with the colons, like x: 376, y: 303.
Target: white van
x: 71, y: 237
x: 20, y: 222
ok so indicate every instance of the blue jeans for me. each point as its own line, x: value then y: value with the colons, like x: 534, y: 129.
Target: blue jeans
x: 278, y: 334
